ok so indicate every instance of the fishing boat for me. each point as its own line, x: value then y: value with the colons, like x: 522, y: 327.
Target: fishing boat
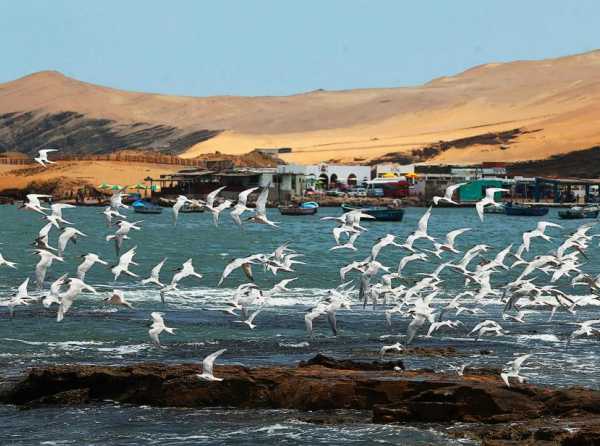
x: 189, y: 209
x: 381, y: 213
x: 495, y: 209
x: 308, y: 208
x: 146, y: 207
x: 525, y: 210
x: 577, y: 212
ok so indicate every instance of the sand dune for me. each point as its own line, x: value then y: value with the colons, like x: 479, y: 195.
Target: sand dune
x: 557, y: 97
x: 82, y: 172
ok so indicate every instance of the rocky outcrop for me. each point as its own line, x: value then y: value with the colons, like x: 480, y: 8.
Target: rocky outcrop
x: 76, y: 133
x: 323, y: 383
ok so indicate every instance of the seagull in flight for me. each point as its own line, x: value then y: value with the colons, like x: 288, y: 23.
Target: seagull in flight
x: 33, y: 203
x: 250, y: 321
x: 241, y: 206
x: 186, y: 270
x: 3, y: 261
x: 155, y: 275
x: 448, y: 194
x: 20, y: 298
x: 42, y: 157
x: 513, y: 368
x: 88, y: 261
x: 539, y: 231
x: 207, y: 366
x: 109, y: 213
x: 116, y: 200
x: 123, y: 266
x: 245, y: 263
x: 68, y: 235
x: 179, y: 203
x: 46, y: 259
x: 157, y: 327
x: 488, y: 199
x: 397, y: 347
x: 118, y: 298
x: 67, y: 298
x: 260, y: 213
x: 55, y: 289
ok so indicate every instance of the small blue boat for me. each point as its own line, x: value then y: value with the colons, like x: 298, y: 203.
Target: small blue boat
x: 308, y: 208
x: 145, y: 207
x: 525, y: 210
x: 381, y: 213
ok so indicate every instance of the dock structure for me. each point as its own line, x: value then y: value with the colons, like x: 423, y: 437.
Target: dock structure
x: 562, y: 188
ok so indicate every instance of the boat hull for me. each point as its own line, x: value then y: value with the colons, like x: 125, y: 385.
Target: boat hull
x: 294, y: 210
x: 525, y: 211
x: 574, y: 215
x: 147, y: 211
x: 380, y: 213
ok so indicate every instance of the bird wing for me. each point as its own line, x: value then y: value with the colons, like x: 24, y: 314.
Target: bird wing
x: 453, y: 234
x: 479, y: 208
x: 208, y: 362
x: 422, y: 225
x: 210, y: 198
x: 154, y: 332
x: 517, y: 363
x: 450, y: 190
x: 243, y: 196
x: 156, y: 270
x: 542, y: 225
x: 22, y: 290
x: 491, y: 191
x: 44, y: 152
x: 229, y: 268
x: 157, y: 317
x: 413, y: 327
x: 332, y: 322
x: 261, y: 202
x: 247, y: 268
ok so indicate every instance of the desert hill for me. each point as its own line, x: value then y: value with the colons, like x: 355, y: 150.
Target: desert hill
x: 548, y: 107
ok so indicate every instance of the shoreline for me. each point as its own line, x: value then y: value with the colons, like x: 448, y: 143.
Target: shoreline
x: 495, y: 414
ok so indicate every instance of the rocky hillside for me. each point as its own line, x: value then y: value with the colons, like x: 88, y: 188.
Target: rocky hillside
x: 514, y: 111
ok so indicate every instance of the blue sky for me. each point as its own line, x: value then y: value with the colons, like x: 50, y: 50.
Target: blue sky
x: 199, y: 48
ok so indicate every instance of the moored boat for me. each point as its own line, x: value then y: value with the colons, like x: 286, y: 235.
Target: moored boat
x: 580, y: 212
x: 495, y: 209
x: 524, y: 210
x: 381, y: 213
x: 309, y: 208
x: 146, y: 207
x: 188, y: 209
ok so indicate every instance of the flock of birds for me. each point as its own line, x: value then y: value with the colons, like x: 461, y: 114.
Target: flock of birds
x: 417, y: 297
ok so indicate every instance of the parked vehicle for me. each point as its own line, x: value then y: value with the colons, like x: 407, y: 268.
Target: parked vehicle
x: 376, y: 192
x: 357, y: 192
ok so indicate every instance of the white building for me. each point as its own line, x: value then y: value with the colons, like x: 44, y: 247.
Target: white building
x: 328, y: 174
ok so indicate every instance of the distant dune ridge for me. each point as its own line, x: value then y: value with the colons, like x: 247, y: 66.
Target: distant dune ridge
x: 547, y: 107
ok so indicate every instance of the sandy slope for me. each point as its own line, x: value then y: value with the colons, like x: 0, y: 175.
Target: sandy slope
x: 92, y: 172
x: 559, y: 97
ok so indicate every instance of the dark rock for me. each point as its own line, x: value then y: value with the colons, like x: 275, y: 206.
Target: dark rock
x: 348, y: 364
x: 521, y: 414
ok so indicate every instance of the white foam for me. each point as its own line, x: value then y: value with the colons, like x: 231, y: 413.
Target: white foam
x: 292, y: 345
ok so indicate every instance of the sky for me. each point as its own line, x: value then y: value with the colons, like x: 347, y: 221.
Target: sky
x: 282, y: 47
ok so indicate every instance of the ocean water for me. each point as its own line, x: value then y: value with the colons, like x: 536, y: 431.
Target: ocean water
x: 95, y: 333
